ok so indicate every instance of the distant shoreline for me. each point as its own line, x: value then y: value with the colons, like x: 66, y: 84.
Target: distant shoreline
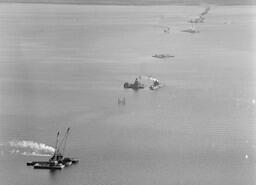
x: 134, y: 2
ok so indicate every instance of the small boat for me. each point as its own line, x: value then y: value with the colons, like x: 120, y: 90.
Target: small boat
x: 154, y: 87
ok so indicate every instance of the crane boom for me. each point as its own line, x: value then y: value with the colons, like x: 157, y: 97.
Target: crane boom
x: 65, y: 141
x: 56, y: 144
x: 62, y: 145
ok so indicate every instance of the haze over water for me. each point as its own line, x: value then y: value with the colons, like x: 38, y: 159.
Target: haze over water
x: 64, y: 66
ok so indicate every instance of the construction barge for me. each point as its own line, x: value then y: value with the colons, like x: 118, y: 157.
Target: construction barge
x: 57, y: 161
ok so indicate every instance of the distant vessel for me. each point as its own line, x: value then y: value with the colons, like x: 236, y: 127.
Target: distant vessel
x: 57, y: 161
x: 199, y: 19
x: 167, y: 30
x: 156, y: 85
x: 162, y: 56
x: 192, y: 29
x: 136, y: 85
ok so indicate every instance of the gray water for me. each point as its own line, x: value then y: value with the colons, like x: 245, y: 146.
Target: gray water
x: 139, y: 2
x: 64, y: 66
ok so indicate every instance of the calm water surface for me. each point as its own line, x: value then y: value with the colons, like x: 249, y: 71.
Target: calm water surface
x: 64, y: 66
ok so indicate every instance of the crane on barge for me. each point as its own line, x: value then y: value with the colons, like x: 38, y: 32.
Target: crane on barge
x: 57, y: 161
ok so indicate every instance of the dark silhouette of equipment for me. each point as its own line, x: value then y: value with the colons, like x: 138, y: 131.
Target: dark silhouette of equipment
x: 57, y: 161
x: 136, y: 85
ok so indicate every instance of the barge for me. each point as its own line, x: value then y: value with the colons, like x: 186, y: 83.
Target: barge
x: 57, y: 161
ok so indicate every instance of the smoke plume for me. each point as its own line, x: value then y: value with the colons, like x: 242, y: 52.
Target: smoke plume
x: 30, y: 148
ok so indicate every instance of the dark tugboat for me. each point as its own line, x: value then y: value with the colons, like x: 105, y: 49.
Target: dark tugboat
x: 136, y: 85
x: 57, y: 161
